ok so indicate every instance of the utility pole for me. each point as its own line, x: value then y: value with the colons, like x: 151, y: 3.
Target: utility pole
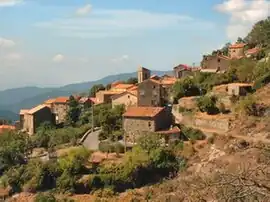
x: 92, y: 114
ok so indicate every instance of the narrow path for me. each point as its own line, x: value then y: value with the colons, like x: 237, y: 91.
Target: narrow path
x: 91, y: 140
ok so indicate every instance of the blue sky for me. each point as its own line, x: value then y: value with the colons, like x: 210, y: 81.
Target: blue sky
x: 58, y: 42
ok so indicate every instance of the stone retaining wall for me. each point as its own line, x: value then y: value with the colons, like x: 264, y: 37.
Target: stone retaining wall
x: 214, y: 123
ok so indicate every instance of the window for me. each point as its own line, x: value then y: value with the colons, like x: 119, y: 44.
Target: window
x: 218, y: 60
x: 154, y: 87
x: 141, y: 92
x: 128, y: 96
x: 149, y: 124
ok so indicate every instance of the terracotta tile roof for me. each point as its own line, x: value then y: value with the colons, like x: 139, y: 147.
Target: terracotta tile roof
x: 133, y: 88
x: 143, y: 111
x: 23, y: 111
x: 253, y: 51
x: 116, y: 83
x: 123, y: 86
x: 36, y: 109
x: 170, y: 131
x: 122, y: 94
x: 168, y: 81
x: 6, y: 128
x: 61, y: 100
x: 93, y: 99
x: 237, y: 45
x: 50, y: 101
x: 84, y: 99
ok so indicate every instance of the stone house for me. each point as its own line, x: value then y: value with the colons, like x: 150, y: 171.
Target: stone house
x: 143, y: 74
x: 239, y: 89
x: 86, y: 102
x: 35, y: 117
x: 253, y: 52
x: 138, y: 120
x: 126, y: 98
x: 104, y: 96
x: 215, y: 64
x: 22, y: 113
x: 59, y: 107
x: 236, y: 51
x: 150, y: 93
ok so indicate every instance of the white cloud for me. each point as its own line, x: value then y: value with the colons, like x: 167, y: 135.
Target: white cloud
x: 121, y: 59
x: 6, y: 43
x: 5, y: 3
x: 243, y: 15
x: 13, y: 56
x: 58, y: 58
x: 118, y: 23
x: 84, y: 10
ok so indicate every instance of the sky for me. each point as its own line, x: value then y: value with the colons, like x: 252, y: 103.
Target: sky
x: 50, y: 43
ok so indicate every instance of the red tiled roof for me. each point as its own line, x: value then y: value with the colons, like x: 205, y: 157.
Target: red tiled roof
x: 253, y: 51
x: 143, y: 111
x: 61, y: 100
x: 84, y: 99
x: 6, y: 127
x: 50, y: 101
x: 237, y: 45
x: 123, y: 86
x: 93, y: 99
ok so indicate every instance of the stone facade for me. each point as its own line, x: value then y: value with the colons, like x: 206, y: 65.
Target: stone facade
x: 239, y: 89
x: 105, y: 96
x: 60, y: 111
x: 182, y: 71
x: 143, y: 74
x: 126, y: 98
x: 237, y: 51
x: 215, y: 64
x: 35, y: 117
x: 212, y: 122
x: 134, y: 126
x: 149, y: 93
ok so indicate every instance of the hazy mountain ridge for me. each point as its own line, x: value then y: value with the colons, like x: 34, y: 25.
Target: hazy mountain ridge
x: 12, y: 100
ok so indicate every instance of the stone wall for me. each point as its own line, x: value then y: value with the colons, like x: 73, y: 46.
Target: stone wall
x: 218, y: 123
x: 188, y: 102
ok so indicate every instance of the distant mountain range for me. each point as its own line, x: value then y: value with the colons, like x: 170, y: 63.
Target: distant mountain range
x: 12, y: 100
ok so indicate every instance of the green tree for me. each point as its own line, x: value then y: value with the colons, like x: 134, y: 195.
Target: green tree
x: 95, y: 89
x: 132, y: 80
x: 259, y: 35
x: 208, y: 104
x: 74, y: 110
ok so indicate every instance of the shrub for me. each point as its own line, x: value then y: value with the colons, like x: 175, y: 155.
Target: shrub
x: 248, y: 106
x: 45, y: 197
x: 208, y: 104
x: 192, y: 134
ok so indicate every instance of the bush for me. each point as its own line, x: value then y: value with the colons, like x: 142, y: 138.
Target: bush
x: 66, y: 183
x: 248, y: 106
x: 192, y: 134
x: 45, y: 197
x: 110, y: 147
x: 208, y: 104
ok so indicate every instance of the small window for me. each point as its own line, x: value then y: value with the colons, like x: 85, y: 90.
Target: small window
x: 128, y: 96
x: 218, y: 60
x: 149, y: 124
x: 154, y: 87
